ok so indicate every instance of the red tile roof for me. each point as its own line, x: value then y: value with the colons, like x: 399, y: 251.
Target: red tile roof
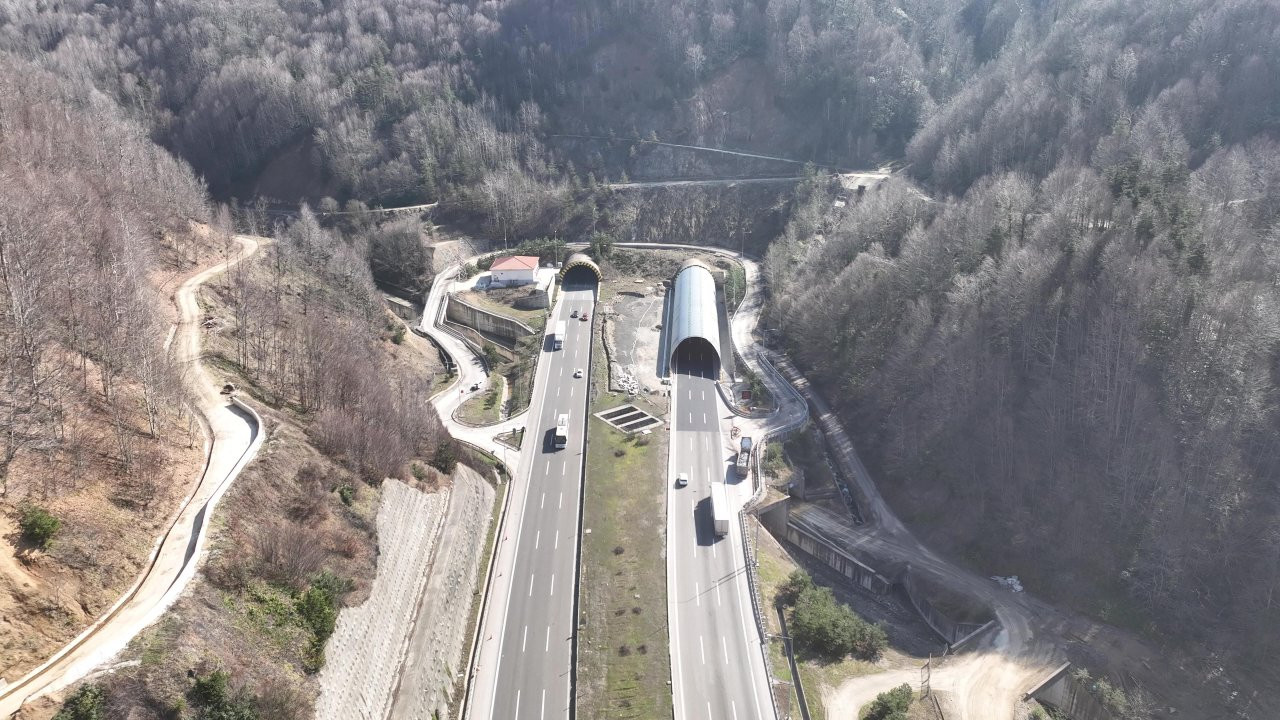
x: 516, y: 262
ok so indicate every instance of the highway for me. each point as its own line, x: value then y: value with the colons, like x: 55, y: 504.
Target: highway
x: 717, y: 666
x: 533, y: 618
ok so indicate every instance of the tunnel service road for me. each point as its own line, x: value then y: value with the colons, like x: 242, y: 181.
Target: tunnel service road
x: 534, y: 667
x: 717, y: 665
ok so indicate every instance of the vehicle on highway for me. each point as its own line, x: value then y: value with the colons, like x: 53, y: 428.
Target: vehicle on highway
x: 573, y: 314
x: 562, y: 431
x: 719, y: 509
x: 682, y: 479
x: 557, y: 335
x: 577, y: 373
x: 743, y: 463
x: 585, y: 316
x: 475, y: 387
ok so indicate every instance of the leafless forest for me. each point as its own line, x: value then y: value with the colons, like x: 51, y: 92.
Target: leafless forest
x: 1055, y: 333
x: 1066, y: 366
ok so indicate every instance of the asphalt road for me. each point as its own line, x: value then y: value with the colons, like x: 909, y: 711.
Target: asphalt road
x: 535, y: 659
x: 717, y: 666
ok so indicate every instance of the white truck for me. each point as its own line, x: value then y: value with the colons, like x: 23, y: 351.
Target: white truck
x: 557, y: 335
x: 720, y: 508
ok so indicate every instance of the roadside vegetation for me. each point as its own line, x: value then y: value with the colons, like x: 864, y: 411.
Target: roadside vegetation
x: 781, y: 583
x: 823, y: 626
x: 624, y: 666
x: 890, y: 705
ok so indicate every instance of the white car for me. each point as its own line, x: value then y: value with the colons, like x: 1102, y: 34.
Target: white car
x: 577, y: 373
x: 682, y: 479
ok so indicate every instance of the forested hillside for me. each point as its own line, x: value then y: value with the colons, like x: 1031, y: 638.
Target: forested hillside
x: 94, y: 440
x: 1068, y: 370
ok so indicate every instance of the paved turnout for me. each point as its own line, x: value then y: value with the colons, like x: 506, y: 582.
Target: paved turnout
x: 535, y: 659
x: 717, y: 668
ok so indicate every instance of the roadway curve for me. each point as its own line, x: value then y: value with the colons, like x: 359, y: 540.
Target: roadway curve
x: 232, y: 439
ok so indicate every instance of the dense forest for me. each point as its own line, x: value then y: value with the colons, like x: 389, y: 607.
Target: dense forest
x: 1072, y: 354
x: 1058, y: 323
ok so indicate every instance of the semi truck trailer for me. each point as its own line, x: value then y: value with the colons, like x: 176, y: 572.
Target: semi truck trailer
x: 719, y: 508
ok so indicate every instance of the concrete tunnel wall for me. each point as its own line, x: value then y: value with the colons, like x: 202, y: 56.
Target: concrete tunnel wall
x: 580, y: 265
x: 694, y: 315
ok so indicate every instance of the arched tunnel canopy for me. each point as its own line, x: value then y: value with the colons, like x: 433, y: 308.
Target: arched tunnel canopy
x: 580, y: 268
x: 695, y: 322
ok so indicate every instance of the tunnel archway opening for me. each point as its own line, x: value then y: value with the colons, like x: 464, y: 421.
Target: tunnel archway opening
x: 580, y: 272
x: 696, y: 356
x: 580, y: 276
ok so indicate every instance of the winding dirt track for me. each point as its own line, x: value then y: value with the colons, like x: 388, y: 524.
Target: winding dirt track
x: 232, y: 439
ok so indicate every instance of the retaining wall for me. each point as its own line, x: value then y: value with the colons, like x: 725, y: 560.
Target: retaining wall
x: 1066, y: 694
x: 484, y: 320
x: 950, y: 630
x: 841, y: 562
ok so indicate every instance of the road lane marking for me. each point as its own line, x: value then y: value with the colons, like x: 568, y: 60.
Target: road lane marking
x: 517, y: 704
x: 704, y: 394
x: 553, y: 584
x: 543, y: 713
x: 546, y: 644
x: 564, y: 467
x: 524, y: 638
x: 697, y: 595
x: 557, y: 546
x: 548, y: 470
x: 537, y: 540
x: 709, y: 716
x: 571, y: 387
x: 531, y: 576
x: 717, y: 593
x: 704, y: 418
x: 702, y: 650
x: 724, y: 645
x: 558, y: 389
x: 561, y: 505
x: 733, y: 704
x: 542, y: 502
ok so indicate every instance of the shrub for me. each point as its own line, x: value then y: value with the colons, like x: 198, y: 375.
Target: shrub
x: 891, y: 705
x: 445, y: 458
x: 346, y: 494
x: 797, y: 583
x: 85, y: 704
x: 288, y: 553
x: 397, y: 336
x: 829, y: 628
x: 213, y: 696
x: 38, y: 526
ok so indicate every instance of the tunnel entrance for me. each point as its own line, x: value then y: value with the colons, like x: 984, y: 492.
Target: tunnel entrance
x: 580, y: 272
x: 580, y: 276
x: 696, y: 356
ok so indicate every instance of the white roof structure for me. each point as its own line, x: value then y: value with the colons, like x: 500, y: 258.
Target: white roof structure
x: 694, y: 313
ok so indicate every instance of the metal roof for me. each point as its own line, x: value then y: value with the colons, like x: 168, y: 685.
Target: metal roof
x: 694, y: 306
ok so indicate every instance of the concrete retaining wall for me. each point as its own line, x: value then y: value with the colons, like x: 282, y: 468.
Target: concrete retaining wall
x: 486, y: 322
x: 1065, y: 693
x: 860, y: 574
x: 950, y: 630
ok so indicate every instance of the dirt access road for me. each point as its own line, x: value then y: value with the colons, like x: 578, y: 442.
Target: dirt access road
x: 233, y: 435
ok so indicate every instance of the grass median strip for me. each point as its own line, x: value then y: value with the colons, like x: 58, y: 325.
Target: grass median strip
x: 624, y: 668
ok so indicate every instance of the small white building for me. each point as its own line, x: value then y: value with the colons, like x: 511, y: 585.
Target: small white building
x: 514, y: 270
